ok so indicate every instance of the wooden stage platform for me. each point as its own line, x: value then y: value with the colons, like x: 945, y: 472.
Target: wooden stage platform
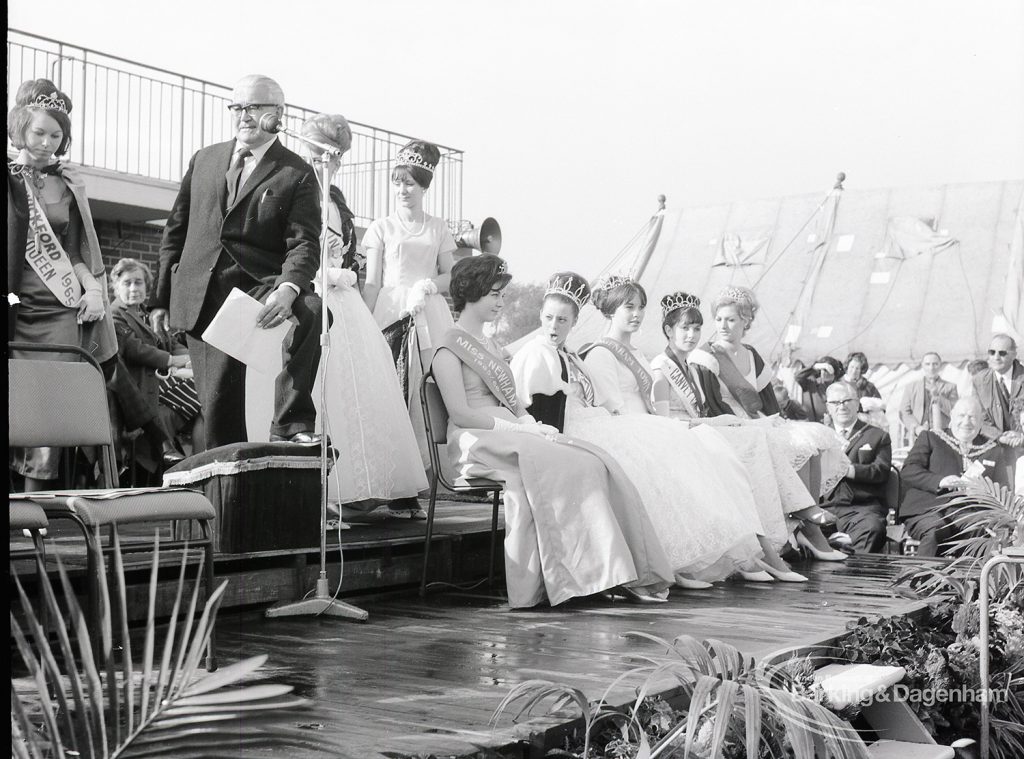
x: 423, y: 676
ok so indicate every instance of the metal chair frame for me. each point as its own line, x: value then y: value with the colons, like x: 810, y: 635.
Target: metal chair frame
x: 435, y: 417
x: 58, y: 507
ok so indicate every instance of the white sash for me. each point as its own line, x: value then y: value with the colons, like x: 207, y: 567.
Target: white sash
x: 680, y: 384
x: 48, y: 258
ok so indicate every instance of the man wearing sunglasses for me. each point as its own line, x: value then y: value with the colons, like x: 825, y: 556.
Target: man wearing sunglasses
x: 247, y: 216
x: 1000, y: 389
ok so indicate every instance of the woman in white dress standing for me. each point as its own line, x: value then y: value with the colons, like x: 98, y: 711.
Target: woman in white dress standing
x: 408, y: 266
x: 693, y: 488
x: 574, y: 525
x: 365, y: 413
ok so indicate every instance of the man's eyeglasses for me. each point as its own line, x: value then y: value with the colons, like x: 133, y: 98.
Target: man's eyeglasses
x: 250, y: 109
x: 839, y: 403
x: 994, y: 352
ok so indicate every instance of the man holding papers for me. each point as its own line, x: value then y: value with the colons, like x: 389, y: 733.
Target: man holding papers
x: 247, y: 216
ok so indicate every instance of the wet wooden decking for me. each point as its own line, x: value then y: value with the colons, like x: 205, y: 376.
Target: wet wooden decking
x: 424, y: 676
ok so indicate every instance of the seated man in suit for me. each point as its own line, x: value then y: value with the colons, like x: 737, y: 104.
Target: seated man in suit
x: 1000, y: 388
x: 928, y: 401
x: 938, y: 466
x: 859, y: 500
x: 247, y: 216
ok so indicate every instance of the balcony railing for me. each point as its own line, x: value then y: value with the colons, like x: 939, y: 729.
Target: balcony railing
x: 137, y: 119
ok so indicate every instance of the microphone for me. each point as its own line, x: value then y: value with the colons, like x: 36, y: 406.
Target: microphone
x: 271, y: 122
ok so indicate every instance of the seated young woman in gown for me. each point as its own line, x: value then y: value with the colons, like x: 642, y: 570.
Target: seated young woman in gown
x: 692, y: 392
x: 574, y: 523
x: 738, y: 385
x: 692, y: 485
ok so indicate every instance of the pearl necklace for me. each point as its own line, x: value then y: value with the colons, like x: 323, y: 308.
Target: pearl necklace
x: 423, y: 225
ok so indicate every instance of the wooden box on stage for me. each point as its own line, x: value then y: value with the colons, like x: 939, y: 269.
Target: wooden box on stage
x: 267, y: 495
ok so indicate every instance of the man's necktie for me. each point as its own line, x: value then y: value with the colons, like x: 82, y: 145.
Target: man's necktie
x: 234, y: 174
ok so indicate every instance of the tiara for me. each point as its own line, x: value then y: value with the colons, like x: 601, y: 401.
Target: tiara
x: 50, y: 103
x: 675, y: 301
x: 736, y: 294
x: 409, y: 157
x: 578, y: 295
x: 613, y: 281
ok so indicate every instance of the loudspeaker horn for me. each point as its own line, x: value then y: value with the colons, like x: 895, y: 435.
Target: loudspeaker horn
x: 486, y: 239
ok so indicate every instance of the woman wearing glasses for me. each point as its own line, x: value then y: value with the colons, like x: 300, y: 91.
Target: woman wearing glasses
x: 60, y: 293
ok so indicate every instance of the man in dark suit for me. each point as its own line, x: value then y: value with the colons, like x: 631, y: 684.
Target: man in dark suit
x: 936, y: 468
x: 247, y: 216
x: 1000, y: 388
x: 859, y: 500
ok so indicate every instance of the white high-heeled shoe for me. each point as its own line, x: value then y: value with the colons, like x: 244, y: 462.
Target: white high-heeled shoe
x: 831, y: 555
x: 754, y: 575
x: 682, y: 581
x: 782, y: 575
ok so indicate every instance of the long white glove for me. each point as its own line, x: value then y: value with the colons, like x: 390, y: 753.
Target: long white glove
x: 417, y: 296
x: 343, y: 279
x: 529, y: 427
x: 661, y: 408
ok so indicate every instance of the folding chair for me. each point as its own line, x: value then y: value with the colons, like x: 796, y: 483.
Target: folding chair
x: 27, y: 516
x: 435, y: 416
x: 64, y: 404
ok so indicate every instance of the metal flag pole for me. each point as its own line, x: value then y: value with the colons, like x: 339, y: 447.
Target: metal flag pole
x: 322, y: 602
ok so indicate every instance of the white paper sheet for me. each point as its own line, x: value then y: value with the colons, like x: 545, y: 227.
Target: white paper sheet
x: 234, y: 330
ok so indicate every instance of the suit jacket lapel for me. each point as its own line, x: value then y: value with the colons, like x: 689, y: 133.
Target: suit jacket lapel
x: 855, y: 432
x: 263, y: 170
x: 219, y: 168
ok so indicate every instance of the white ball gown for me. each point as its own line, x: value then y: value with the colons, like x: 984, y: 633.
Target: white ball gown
x: 574, y: 525
x: 692, y: 486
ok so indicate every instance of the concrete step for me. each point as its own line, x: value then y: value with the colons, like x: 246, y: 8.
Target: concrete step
x: 848, y: 684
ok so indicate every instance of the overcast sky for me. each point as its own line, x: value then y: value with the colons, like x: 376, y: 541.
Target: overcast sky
x: 576, y: 114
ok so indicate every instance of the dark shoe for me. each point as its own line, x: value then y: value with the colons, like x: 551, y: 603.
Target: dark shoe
x: 170, y: 457
x: 299, y: 438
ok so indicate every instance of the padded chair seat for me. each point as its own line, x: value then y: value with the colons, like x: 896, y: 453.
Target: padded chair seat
x: 97, y: 508
x: 26, y: 515
x: 475, y: 483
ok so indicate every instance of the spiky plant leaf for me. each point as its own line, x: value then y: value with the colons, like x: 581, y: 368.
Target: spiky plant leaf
x: 114, y: 709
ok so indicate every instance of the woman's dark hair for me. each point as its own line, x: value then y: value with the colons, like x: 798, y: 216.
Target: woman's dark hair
x: 608, y: 299
x: 426, y: 151
x: 125, y: 266
x: 687, y: 314
x: 568, y: 282
x: 857, y: 355
x: 837, y: 366
x: 475, y: 276
x: 39, y: 95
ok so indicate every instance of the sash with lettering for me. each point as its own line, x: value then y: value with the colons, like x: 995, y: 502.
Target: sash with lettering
x: 741, y: 390
x: 493, y: 370
x: 574, y: 368
x: 643, y: 377
x: 47, y: 257
x: 681, y: 383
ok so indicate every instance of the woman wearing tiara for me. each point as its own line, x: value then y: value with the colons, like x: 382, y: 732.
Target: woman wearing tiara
x: 366, y: 414
x: 59, y: 297
x: 408, y: 266
x: 693, y: 394
x: 574, y: 525
x: 692, y: 486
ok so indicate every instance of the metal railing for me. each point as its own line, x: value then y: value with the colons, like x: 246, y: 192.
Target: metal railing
x: 137, y: 119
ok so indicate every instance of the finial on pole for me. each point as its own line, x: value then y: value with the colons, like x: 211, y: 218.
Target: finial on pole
x: 840, y: 178
x: 661, y: 202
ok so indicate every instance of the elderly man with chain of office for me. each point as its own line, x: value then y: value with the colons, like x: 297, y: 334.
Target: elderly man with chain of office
x: 247, y: 216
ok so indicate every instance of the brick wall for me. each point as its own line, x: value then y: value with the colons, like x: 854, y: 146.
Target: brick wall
x: 123, y: 240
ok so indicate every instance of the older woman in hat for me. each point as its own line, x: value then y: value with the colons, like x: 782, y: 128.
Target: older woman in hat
x: 365, y: 413
x: 408, y: 265
x: 61, y: 295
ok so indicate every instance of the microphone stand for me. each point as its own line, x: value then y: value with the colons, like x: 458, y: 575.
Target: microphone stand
x: 322, y: 602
